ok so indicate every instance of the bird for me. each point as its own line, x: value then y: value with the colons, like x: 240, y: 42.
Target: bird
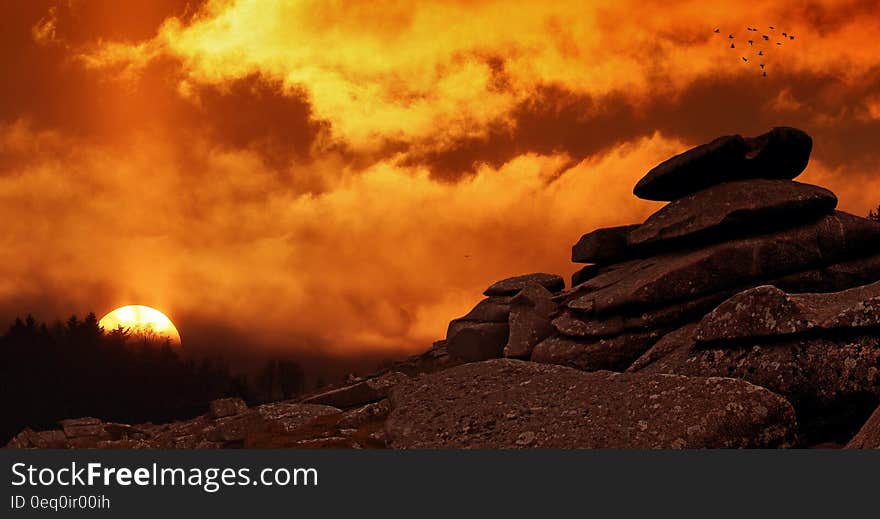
x: 771, y: 27
x: 730, y: 36
x: 760, y: 53
x: 762, y: 65
x: 778, y: 43
x: 732, y: 46
x: 790, y: 37
x: 717, y: 30
x: 751, y: 42
x: 785, y: 34
x: 764, y: 74
x: 745, y: 58
x: 766, y: 38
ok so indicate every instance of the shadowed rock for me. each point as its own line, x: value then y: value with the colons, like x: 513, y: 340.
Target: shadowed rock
x: 510, y: 404
x: 662, y: 280
x: 615, y: 354
x: 586, y: 273
x: 364, y: 392
x: 510, y: 286
x: 226, y: 407
x: 868, y: 436
x: 781, y: 153
x: 472, y: 341
x: 489, y: 310
x: 603, y: 246
x: 529, y: 322
x: 732, y: 209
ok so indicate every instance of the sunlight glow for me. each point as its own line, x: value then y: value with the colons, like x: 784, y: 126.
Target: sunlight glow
x: 141, y: 320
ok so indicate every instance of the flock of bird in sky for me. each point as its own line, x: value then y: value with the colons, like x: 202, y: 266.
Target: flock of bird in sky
x: 756, y: 45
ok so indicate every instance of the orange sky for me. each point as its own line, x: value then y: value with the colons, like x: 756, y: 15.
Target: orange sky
x: 343, y: 177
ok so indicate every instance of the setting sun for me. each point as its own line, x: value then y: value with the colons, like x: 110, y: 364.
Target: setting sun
x: 141, y: 320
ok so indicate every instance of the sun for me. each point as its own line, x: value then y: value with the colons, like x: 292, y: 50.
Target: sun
x: 143, y: 321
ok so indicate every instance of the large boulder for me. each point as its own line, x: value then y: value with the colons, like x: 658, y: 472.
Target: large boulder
x: 603, y: 246
x: 768, y: 311
x: 511, y: 286
x: 469, y: 341
x: 510, y: 404
x: 665, y: 279
x: 530, y: 320
x: 615, y: 353
x: 732, y: 209
x: 781, y: 153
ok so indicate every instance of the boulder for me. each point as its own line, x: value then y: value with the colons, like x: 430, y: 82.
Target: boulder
x: 868, y: 436
x: 781, y: 153
x: 529, y: 321
x: 377, y: 411
x: 369, y: 390
x: 671, y: 342
x: 510, y: 404
x: 585, y: 273
x: 489, y: 310
x: 832, y: 382
x: 768, y: 311
x: 288, y: 416
x: 510, y: 286
x: 226, y: 407
x: 236, y: 427
x: 665, y: 279
x: 732, y: 209
x: 470, y: 341
x: 603, y: 246
x: 615, y: 354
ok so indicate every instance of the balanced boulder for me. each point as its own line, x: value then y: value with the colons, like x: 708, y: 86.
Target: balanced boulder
x: 781, y: 153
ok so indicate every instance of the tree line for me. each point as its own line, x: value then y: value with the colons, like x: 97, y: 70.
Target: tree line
x: 76, y: 368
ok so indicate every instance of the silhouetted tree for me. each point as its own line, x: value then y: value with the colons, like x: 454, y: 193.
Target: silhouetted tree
x: 874, y: 214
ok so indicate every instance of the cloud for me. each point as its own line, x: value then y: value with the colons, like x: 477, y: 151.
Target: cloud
x: 343, y: 179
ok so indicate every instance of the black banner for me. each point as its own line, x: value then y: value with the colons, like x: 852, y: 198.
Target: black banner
x: 415, y: 483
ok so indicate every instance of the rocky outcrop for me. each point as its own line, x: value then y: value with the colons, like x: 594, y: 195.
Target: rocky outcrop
x: 510, y: 404
x: 364, y: 392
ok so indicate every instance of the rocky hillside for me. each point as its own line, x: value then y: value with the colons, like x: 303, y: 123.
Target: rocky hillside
x: 741, y: 314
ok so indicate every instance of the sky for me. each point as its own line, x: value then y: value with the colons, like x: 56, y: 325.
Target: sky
x: 343, y: 178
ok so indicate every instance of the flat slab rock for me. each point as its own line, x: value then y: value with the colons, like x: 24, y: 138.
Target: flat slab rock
x: 364, y: 392
x: 603, y: 246
x: 511, y: 286
x: 508, y: 404
x: 665, y: 279
x: 781, y: 153
x: 615, y: 353
x: 732, y: 209
x: 768, y: 311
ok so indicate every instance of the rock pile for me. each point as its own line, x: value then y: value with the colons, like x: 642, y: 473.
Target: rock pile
x: 743, y: 313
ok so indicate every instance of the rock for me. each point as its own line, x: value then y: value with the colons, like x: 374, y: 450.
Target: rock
x: 510, y: 286
x: 529, y: 321
x: 356, y: 418
x: 472, y: 341
x: 508, y: 403
x: 663, y: 280
x: 603, y: 246
x: 236, y: 427
x: 781, y: 153
x: 586, y: 273
x: 358, y: 394
x: 732, y: 209
x: 77, y: 422
x: 615, y: 354
x: 868, y: 436
x: 84, y: 427
x: 831, y: 382
x: 29, y: 439
x: 288, y: 416
x: 121, y: 431
x: 489, y: 310
x: 226, y: 407
x: 834, y: 277
x: 672, y: 341
x: 767, y: 311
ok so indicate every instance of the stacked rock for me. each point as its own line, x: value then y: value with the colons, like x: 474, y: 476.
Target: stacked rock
x: 735, y: 220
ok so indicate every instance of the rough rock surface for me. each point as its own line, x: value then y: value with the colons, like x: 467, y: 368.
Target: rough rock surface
x: 510, y: 286
x: 530, y: 320
x: 615, y: 353
x: 731, y: 210
x: 471, y: 341
x: 664, y: 279
x: 361, y: 393
x: 781, y: 153
x: 868, y: 436
x: 767, y: 311
x: 603, y: 246
x: 226, y: 407
x: 512, y: 404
